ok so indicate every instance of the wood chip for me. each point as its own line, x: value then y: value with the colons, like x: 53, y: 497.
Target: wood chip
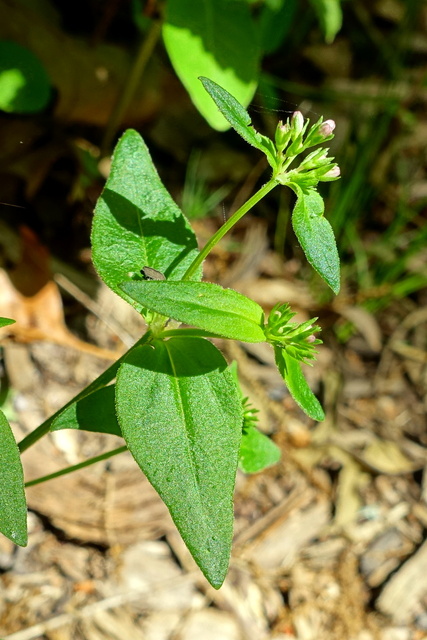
x: 280, y: 546
x: 403, y: 595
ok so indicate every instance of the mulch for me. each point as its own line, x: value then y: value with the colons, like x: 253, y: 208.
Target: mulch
x: 329, y: 544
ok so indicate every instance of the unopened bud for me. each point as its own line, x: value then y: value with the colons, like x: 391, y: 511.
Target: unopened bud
x: 332, y: 173
x: 320, y: 132
x: 327, y: 128
x: 316, y: 159
x: 282, y: 136
x: 297, y: 124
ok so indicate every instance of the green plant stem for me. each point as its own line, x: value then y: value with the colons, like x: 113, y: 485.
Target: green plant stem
x: 227, y: 226
x: 141, y: 60
x: 76, y: 467
x: 100, y: 382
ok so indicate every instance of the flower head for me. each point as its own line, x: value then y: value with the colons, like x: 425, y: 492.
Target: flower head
x: 297, y: 339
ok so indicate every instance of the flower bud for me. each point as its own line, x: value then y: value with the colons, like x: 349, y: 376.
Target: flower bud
x: 297, y: 124
x: 332, y: 173
x: 326, y: 129
x: 320, y: 132
x: 315, y: 159
x: 282, y: 136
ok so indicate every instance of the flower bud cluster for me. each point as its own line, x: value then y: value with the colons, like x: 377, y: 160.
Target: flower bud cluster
x: 292, y: 138
x: 297, y: 339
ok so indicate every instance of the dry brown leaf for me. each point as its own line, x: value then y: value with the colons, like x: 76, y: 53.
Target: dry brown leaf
x: 31, y: 298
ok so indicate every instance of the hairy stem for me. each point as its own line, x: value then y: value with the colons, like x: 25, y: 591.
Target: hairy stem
x: 76, y: 467
x: 227, y: 226
x: 100, y: 382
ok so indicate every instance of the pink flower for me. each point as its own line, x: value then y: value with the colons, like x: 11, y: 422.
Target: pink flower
x: 327, y: 128
x: 333, y: 173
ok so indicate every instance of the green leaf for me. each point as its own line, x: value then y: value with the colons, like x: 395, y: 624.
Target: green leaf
x: 290, y: 370
x: 275, y: 23
x: 13, y: 507
x: 24, y: 83
x: 330, y: 17
x: 181, y: 416
x: 239, y: 119
x: 96, y: 412
x: 136, y: 222
x: 316, y: 236
x: 208, y: 306
x: 5, y: 321
x: 217, y: 39
x: 257, y: 451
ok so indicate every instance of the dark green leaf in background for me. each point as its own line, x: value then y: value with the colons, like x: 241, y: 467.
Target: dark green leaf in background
x: 275, y: 23
x: 136, y: 222
x: 316, y: 237
x: 96, y: 412
x: 216, y: 39
x: 181, y: 416
x: 290, y: 370
x: 24, y: 83
x: 330, y: 17
x: 257, y: 451
x: 207, y: 306
x: 13, y: 507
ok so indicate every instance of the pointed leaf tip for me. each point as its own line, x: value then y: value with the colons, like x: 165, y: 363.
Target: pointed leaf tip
x: 181, y: 416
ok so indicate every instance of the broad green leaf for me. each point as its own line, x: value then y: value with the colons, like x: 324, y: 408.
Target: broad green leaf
x: 290, y: 370
x: 136, y: 222
x: 316, y: 237
x: 96, y: 412
x: 275, y: 23
x: 13, y: 507
x: 257, y: 451
x: 330, y: 17
x: 181, y: 416
x: 24, y: 83
x: 217, y: 39
x: 239, y: 119
x: 5, y: 321
x: 208, y: 306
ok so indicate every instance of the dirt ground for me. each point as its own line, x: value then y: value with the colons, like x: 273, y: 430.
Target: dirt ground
x: 329, y: 544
